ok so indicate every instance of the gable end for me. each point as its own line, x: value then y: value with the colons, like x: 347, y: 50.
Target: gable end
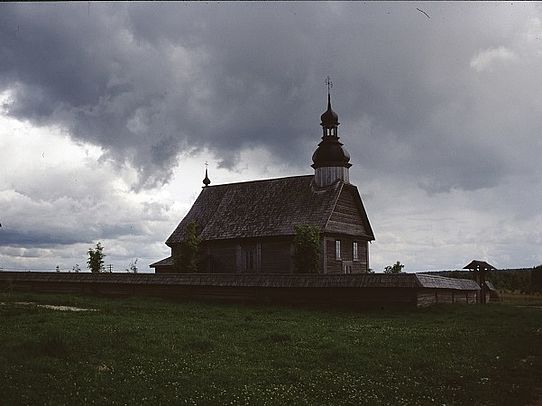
x: 349, y: 216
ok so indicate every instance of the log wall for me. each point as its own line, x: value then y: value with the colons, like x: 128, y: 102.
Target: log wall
x: 346, y: 216
x: 276, y: 256
x: 428, y: 297
x: 366, y: 290
x: 329, y: 297
x: 222, y: 256
x: 335, y: 266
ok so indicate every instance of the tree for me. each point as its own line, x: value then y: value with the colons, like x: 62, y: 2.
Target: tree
x: 95, y: 260
x: 536, y: 279
x: 76, y: 268
x: 395, y: 268
x: 132, y: 267
x: 307, y: 249
x: 186, y: 257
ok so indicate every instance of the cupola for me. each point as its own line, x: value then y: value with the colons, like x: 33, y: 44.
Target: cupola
x: 330, y: 160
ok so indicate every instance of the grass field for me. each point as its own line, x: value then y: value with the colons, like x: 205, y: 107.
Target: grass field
x: 149, y: 351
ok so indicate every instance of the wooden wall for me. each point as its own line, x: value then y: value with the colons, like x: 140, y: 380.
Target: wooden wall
x: 221, y: 256
x: 196, y: 286
x: 332, y: 265
x: 165, y: 269
x: 269, y: 255
x: 327, y: 297
x: 276, y: 256
x: 428, y: 297
x: 347, y: 217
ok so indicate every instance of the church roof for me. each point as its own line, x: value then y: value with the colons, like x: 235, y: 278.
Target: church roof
x: 264, y: 208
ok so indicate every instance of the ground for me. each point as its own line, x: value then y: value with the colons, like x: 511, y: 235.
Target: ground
x: 149, y: 351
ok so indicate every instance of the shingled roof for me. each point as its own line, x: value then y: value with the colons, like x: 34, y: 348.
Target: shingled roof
x: 262, y: 208
x: 477, y: 265
x: 163, y: 262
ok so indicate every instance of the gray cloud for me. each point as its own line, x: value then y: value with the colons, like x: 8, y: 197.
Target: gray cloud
x: 148, y: 82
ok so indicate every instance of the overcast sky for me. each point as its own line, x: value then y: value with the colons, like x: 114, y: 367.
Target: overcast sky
x: 109, y: 111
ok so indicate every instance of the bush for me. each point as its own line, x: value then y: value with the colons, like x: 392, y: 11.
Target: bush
x: 307, y: 249
x: 186, y: 258
x: 395, y: 268
x: 95, y: 260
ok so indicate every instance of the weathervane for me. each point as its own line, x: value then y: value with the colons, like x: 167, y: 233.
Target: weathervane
x: 329, y: 84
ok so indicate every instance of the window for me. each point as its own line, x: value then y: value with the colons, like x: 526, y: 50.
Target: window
x: 337, y: 249
x: 249, y: 260
x: 355, y: 256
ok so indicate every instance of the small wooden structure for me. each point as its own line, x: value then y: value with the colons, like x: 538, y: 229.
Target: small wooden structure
x: 492, y: 293
x: 480, y: 268
x: 351, y: 291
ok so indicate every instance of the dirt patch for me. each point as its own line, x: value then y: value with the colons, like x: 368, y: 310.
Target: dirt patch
x: 52, y: 307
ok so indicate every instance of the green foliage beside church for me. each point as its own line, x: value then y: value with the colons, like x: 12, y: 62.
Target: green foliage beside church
x: 307, y: 249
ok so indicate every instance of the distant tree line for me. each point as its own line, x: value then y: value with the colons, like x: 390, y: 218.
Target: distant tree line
x: 536, y: 279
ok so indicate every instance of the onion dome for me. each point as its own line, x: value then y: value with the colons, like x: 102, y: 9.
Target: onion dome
x: 206, y: 180
x: 329, y: 118
x: 330, y: 152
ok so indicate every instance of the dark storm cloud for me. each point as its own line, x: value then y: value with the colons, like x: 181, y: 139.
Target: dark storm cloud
x: 55, y: 234
x: 148, y: 82
x: 31, y: 238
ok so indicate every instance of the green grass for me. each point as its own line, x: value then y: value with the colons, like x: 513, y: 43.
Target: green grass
x: 151, y: 351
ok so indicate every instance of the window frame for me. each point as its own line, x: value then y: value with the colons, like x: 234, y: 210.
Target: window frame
x: 355, y: 251
x: 338, y: 249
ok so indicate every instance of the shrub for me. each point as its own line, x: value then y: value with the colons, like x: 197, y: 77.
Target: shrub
x: 95, y: 260
x: 395, y: 268
x: 307, y: 249
x: 186, y: 258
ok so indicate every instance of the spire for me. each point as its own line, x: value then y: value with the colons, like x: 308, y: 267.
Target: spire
x: 329, y: 85
x: 206, y: 180
x: 330, y: 119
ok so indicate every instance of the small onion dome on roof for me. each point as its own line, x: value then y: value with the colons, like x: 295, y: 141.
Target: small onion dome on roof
x: 329, y: 118
x: 330, y: 152
x: 206, y: 180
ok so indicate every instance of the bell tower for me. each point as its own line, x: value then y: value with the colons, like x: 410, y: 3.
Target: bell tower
x: 330, y: 160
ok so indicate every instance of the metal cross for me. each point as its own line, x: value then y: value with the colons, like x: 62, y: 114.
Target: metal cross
x: 329, y: 84
x: 206, y: 164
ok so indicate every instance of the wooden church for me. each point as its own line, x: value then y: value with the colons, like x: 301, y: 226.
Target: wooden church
x: 248, y: 227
